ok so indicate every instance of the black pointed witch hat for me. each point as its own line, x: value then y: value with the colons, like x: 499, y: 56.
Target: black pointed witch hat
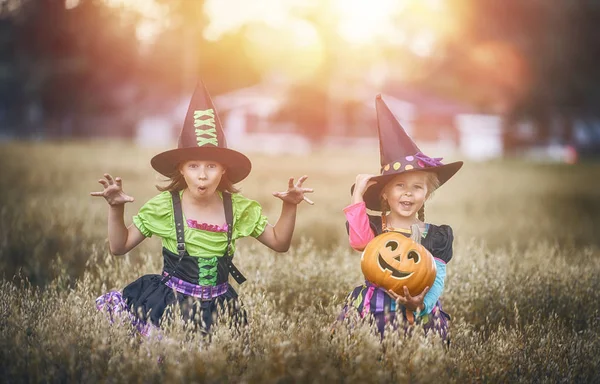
x: 400, y: 154
x: 202, y: 138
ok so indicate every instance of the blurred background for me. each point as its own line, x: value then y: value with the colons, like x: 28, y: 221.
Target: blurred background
x: 512, y: 87
x: 479, y: 79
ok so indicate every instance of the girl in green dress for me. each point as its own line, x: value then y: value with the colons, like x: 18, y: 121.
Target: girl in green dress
x: 198, y: 217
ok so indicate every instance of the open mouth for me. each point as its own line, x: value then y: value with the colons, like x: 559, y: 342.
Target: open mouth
x: 395, y: 273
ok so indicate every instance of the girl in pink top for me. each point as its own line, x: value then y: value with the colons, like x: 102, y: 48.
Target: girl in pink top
x: 407, y: 180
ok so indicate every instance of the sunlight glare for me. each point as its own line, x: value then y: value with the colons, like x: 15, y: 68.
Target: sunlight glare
x: 70, y: 4
x: 152, y: 15
x: 223, y: 20
x: 423, y: 44
x: 293, y: 48
x: 362, y: 21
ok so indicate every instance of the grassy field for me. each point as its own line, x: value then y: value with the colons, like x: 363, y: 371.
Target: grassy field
x: 523, y: 287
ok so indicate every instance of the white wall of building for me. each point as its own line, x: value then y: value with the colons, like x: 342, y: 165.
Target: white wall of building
x: 480, y: 136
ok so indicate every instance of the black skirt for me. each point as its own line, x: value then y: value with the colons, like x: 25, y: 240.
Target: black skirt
x: 150, y: 300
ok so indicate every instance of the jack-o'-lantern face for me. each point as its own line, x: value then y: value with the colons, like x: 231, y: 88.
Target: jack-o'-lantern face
x: 390, y: 252
x: 392, y: 261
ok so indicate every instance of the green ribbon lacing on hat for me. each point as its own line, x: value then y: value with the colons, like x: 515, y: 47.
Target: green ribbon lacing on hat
x: 209, y: 135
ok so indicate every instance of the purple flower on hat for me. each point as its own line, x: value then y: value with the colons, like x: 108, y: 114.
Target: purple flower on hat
x: 429, y: 161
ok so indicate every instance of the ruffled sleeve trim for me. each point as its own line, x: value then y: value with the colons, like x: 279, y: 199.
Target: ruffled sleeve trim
x: 248, y: 217
x: 441, y: 241
x: 140, y: 225
x: 155, y: 217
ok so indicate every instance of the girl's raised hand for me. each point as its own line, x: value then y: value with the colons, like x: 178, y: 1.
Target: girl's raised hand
x: 113, y: 191
x: 295, y: 192
x: 363, y: 181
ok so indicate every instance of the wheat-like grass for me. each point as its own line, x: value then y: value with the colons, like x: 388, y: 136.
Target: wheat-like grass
x: 523, y: 286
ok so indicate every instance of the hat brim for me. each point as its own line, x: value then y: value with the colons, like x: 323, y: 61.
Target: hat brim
x: 372, y: 194
x: 238, y: 165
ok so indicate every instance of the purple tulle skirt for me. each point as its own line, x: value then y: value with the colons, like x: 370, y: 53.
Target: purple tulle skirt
x: 150, y: 300
x: 373, y: 304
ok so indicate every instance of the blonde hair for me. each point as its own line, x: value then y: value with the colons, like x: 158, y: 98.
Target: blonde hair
x: 433, y: 183
x: 176, y: 182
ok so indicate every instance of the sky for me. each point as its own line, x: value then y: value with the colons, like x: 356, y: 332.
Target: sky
x: 356, y: 22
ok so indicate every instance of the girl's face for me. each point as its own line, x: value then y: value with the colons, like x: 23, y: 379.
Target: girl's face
x: 406, y: 193
x: 202, y: 176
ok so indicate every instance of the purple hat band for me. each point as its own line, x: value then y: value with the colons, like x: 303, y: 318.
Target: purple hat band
x: 412, y: 162
x: 429, y: 161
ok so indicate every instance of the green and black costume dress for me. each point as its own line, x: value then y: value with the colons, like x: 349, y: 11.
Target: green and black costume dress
x: 200, y: 269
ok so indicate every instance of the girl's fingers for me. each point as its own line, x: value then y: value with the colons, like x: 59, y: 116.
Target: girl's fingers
x: 96, y: 193
x: 406, y: 293
x: 109, y: 178
x: 307, y: 190
x: 421, y: 296
x: 301, y: 180
x: 393, y: 295
x: 309, y: 201
x: 291, y: 183
x: 103, y: 182
x: 119, y: 182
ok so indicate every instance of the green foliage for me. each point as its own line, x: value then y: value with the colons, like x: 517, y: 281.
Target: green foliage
x: 556, y: 42
x: 54, y: 57
x: 523, y: 287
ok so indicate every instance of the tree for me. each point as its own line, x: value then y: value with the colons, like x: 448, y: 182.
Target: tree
x: 67, y: 62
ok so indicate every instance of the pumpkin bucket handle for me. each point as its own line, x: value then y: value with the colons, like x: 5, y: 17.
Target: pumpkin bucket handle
x: 415, y: 233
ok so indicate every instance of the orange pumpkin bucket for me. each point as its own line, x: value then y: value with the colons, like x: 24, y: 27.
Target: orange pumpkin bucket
x: 392, y: 261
